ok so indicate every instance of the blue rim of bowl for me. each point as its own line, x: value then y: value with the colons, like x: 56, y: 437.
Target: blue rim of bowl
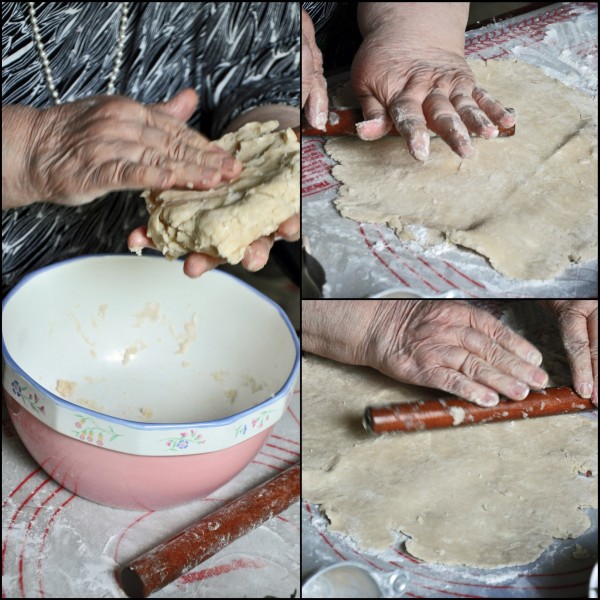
x: 283, y: 391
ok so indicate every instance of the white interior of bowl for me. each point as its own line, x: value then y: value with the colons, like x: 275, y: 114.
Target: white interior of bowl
x: 134, y: 338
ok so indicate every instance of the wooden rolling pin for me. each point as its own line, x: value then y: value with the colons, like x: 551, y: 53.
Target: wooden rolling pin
x: 451, y: 412
x: 200, y: 541
x: 345, y: 119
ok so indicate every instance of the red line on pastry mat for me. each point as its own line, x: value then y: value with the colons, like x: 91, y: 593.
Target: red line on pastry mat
x: 444, y: 278
x: 284, y: 449
x: 370, y: 246
x: 46, y: 531
x: 370, y: 562
x: 485, y: 585
x: 16, y: 514
x: 23, y: 482
x: 280, y: 437
x: 258, y: 462
x: 465, y: 276
x: 453, y: 594
x: 412, y: 595
x: 405, y: 263
x: 126, y: 530
x: 289, y: 462
x: 29, y: 525
x: 293, y: 415
x: 407, y: 556
x: 306, y: 505
x: 234, y: 565
x: 536, y: 23
x: 287, y: 521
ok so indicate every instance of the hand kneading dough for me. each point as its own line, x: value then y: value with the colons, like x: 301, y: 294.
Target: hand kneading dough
x: 528, y: 202
x: 224, y: 221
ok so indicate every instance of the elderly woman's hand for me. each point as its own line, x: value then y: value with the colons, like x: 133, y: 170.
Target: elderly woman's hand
x: 578, y: 321
x: 447, y: 345
x: 410, y: 73
x: 73, y: 153
x: 314, y: 86
x: 257, y: 255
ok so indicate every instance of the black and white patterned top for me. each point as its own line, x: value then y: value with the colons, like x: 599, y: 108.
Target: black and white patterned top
x: 236, y: 55
x: 336, y: 31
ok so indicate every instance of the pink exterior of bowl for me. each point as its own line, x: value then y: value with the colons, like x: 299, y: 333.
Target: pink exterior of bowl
x: 125, y: 480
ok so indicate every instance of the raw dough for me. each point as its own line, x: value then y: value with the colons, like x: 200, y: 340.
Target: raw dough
x: 486, y: 496
x: 528, y: 203
x: 225, y: 221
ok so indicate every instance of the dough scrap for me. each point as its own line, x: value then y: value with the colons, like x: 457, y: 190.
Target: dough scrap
x: 528, y: 203
x: 485, y: 496
x: 224, y: 221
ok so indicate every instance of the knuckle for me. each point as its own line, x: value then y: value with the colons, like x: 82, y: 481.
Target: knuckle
x: 177, y: 150
x: 153, y: 158
x: 577, y: 347
x: 473, y: 367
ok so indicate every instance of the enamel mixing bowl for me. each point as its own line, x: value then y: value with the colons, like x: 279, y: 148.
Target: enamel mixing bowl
x: 137, y: 387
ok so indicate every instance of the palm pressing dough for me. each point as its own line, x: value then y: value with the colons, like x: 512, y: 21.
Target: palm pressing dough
x: 484, y: 496
x: 528, y: 203
x: 224, y: 221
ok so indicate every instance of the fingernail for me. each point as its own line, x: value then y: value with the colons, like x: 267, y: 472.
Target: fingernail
x: 489, y: 399
x: 535, y: 358
x: 585, y: 390
x: 208, y: 174
x: 466, y: 151
x: 420, y: 154
x: 255, y: 265
x: 321, y: 121
x: 521, y: 390
x: 229, y: 164
x: 540, y: 379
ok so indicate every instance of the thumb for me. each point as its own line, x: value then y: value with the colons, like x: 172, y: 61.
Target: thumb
x: 377, y: 123
x: 181, y: 106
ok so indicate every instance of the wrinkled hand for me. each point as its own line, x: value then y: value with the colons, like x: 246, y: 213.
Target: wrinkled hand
x: 84, y: 149
x: 578, y: 321
x: 415, y: 86
x: 314, y: 86
x: 454, y: 347
x: 256, y: 256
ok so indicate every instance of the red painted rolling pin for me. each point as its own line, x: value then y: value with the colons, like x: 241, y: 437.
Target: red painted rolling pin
x: 451, y: 412
x: 342, y: 121
x: 200, y: 541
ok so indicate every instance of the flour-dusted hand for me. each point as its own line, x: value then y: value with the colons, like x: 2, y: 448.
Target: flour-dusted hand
x: 314, y: 86
x: 448, y: 345
x: 410, y: 73
x: 78, y: 151
x: 578, y: 321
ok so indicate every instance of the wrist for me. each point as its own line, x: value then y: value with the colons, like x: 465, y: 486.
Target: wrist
x: 337, y: 329
x: 18, y: 125
x: 418, y: 25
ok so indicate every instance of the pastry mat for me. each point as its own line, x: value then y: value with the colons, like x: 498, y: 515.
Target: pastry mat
x: 557, y: 573
x: 362, y: 259
x: 57, y: 545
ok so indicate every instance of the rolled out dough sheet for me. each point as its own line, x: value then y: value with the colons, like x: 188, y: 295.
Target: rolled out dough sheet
x: 485, y: 496
x: 528, y: 203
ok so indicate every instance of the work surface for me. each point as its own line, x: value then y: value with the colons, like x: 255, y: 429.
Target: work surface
x: 561, y: 571
x: 58, y: 545
x: 362, y: 259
